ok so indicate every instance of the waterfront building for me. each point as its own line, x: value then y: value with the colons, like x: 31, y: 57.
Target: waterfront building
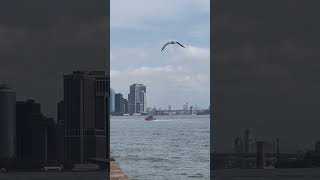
x: 85, y: 115
x: 139, y: 107
x: 60, y: 131
x: 7, y: 122
x: 119, y: 104
x: 126, y: 110
x: 34, y: 133
x: 137, y: 100
x: 101, y: 115
x: 100, y: 99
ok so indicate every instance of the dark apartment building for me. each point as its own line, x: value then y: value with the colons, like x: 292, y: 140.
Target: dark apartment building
x: 35, y: 133
x: 60, y: 131
x: 85, y: 116
x: 100, y: 112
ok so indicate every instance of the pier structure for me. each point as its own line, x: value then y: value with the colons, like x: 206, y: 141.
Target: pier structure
x: 116, y: 173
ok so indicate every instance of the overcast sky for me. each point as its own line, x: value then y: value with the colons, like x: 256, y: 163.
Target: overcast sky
x: 139, y: 29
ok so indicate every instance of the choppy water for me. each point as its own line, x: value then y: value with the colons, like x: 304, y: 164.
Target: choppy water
x: 172, y: 147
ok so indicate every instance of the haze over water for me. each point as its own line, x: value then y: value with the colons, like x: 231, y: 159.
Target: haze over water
x: 172, y: 147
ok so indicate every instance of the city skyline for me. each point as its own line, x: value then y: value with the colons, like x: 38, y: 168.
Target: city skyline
x: 114, y: 92
x: 41, y: 41
x: 30, y: 139
x: 177, y: 73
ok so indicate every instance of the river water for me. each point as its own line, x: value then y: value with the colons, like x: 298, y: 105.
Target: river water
x: 172, y: 147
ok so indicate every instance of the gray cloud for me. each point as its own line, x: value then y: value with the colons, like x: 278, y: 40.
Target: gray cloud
x: 142, y: 14
x: 179, y: 74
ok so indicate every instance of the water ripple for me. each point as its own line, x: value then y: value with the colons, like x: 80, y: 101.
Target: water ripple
x: 176, y: 148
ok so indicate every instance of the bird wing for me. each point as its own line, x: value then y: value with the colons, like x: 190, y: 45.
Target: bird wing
x: 166, y: 44
x: 180, y: 44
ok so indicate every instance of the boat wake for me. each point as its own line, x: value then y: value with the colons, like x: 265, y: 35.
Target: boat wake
x: 165, y: 120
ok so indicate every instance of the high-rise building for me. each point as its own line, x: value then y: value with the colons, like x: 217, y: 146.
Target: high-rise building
x: 100, y: 93
x: 143, y: 99
x: 119, y: 104
x: 85, y: 115
x: 51, y: 141
x: 125, y: 102
x: 101, y: 115
x: 112, y: 100
x: 60, y: 131
x: 139, y: 107
x: 33, y: 132
x: 7, y: 122
x: 137, y: 100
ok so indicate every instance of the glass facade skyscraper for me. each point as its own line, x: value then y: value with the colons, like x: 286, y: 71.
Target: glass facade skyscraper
x: 137, y: 98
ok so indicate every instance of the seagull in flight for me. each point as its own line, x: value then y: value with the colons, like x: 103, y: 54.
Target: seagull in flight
x: 171, y: 42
